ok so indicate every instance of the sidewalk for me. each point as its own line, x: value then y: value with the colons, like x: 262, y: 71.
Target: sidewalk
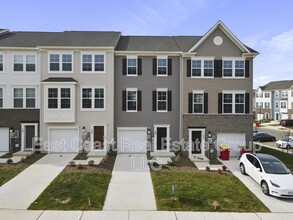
x: 131, y: 185
x: 22, y: 190
x: 134, y: 215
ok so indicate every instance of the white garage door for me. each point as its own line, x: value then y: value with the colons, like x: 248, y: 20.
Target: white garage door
x: 132, y: 140
x: 234, y: 140
x: 63, y: 140
x: 4, y: 139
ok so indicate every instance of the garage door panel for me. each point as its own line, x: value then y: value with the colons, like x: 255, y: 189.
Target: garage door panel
x: 4, y: 139
x: 131, y: 141
x: 63, y: 140
x: 234, y: 140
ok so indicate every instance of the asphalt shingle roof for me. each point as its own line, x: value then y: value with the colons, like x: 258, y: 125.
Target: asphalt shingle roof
x: 67, y: 38
x: 186, y: 42
x: 60, y: 79
x: 275, y: 85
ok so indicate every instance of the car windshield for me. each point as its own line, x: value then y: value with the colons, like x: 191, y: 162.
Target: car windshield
x: 285, y: 139
x: 274, y: 167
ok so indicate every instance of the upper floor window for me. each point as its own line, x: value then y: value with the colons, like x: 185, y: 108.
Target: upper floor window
x: 59, y: 98
x: 162, y: 100
x: 198, y: 103
x: 202, y: 67
x: 233, y: 68
x: 60, y: 62
x: 267, y: 95
x: 93, y: 62
x: 283, y: 105
x: 24, y: 97
x: 234, y: 103
x: 267, y: 105
x: 1, y: 62
x: 276, y: 104
x: 259, y: 105
x: 284, y: 94
x: 24, y: 63
x: 131, y: 66
x: 1, y: 97
x: 162, y: 66
x: 93, y: 98
x: 131, y: 100
x: 277, y: 94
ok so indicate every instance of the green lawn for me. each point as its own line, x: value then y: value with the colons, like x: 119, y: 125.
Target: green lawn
x: 7, y: 172
x: 203, y: 191
x: 287, y: 159
x: 73, y: 191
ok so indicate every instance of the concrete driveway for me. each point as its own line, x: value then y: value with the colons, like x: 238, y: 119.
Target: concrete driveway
x: 22, y: 190
x: 273, y: 204
x: 131, y: 186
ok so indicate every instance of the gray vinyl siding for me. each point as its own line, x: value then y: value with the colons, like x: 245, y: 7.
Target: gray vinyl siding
x: 147, y: 82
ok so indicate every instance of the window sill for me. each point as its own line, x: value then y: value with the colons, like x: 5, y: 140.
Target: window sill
x: 132, y: 75
x: 60, y: 72
x: 202, y: 77
x: 92, y: 110
x: 93, y: 72
x: 131, y: 111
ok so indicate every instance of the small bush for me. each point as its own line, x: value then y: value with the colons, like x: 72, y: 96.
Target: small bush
x: 79, y: 166
x: 91, y: 163
x: 9, y: 161
x: 171, y: 163
x: 224, y: 168
x: 219, y: 171
x: 72, y: 163
x: 208, y: 168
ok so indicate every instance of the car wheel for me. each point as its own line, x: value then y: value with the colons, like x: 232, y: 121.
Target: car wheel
x: 242, y: 169
x: 265, y: 188
x: 288, y: 146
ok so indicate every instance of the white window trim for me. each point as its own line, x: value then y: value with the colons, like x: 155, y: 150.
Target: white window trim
x: 233, y: 59
x: 281, y: 104
x: 24, y: 96
x: 129, y: 90
x: 233, y: 92
x: 93, y: 99
x: 131, y: 57
x: 202, y: 59
x: 72, y: 96
x: 166, y: 58
x: 93, y: 62
x: 162, y: 90
x: 23, y: 62
x: 198, y: 92
x: 277, y: 94
x: 277, y: 105
x: 2, y: 71
x: 60, y: 53
x: 284, y: 94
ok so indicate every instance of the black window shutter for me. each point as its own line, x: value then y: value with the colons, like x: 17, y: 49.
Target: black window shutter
x: 154, y: 66
x: 246, y: 68
x: 188, y: 68
x: 206, y: 103
x: 218, y: 68
x: 124, y: 66
x: 139, y: 66
x: 169, y: 100
x: 124, y: 100
x: 138, y: 100
x: 169, y: 67
x: 247, y: 101
x: 190, y: 103
x: 154, y: 100
x: 220, y: 103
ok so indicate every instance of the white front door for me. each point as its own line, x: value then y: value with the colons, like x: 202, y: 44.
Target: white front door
x: 161, y: 137
x: 197, y: 141
x: 4, y: 139
x: 29, y: 131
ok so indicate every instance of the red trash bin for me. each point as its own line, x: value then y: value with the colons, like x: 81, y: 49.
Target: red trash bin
x: 225, y: 154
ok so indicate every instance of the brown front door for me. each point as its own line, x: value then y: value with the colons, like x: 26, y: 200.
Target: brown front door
x: 99, y: 137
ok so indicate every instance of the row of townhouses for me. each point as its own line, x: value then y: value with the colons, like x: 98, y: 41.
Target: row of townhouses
x: 103, y: 86
x: 274, y: 101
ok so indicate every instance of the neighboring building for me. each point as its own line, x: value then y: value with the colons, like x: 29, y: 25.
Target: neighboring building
x: 143, y: 91
x: 19, y: 90
x: 274, y: 100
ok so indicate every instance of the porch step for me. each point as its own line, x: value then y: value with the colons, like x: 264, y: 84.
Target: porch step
x: 94, y: 154
x: 23, y: 153
x: 162, y: 154
x: 199, y: 159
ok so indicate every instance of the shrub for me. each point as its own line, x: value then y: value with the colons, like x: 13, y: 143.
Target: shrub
x: 9, y: 161
x: 208, y: 168
x: 72, y: 163
x: 91, y: 163
x: 79, y: 166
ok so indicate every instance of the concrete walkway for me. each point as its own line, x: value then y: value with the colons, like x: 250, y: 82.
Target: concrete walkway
x: 273, y: 204
x: 131, y: 186
x: 22, y: 190
x: 134, y: 215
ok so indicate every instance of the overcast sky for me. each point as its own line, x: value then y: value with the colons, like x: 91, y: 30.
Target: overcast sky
x: 266, y: 26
